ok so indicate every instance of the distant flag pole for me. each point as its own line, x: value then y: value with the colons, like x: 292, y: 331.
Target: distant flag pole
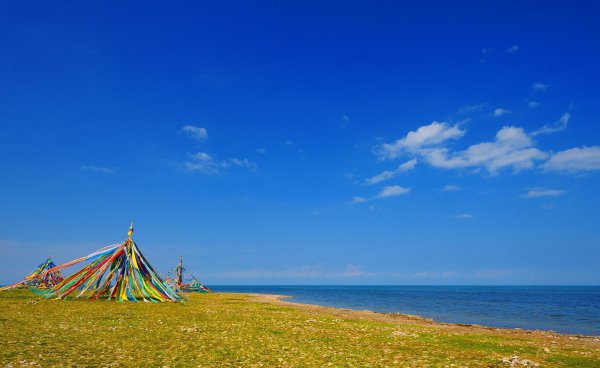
x: 180, y: 272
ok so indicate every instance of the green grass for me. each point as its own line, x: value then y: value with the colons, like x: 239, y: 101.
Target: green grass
x: 232, y: 330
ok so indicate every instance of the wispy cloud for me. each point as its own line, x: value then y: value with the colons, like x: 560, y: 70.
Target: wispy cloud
x: 352, y: 270
x: 345, y: 121
x: 98, y: 169
x: 262, y: 151
x: 301, y: 272
x: 202, y: 162
x: 244, y: 162
x: 533, y: 104
x: 207, y: 164
x: 539, y: 86
x: 500, y: 112
x: 451, y: 188
x: 435, y: 274
x: 557, y: 126
x: 472, y: 108
x: 392, y: 191
x: 464, y: 216
x: 492, y: 274
x: 540, y: 192
x: 386, y: 192
x: 574, y: 160
x: 427, y: 135
x: 358, y: 199
x: 513, y: 49
x: 389, y: 174
x: 485, y: 52
x: 197, y: 133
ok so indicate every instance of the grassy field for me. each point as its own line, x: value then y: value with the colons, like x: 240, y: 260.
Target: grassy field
x: 234, y: 330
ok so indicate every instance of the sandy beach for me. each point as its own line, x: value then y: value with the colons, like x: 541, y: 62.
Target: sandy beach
x: 399, y: 318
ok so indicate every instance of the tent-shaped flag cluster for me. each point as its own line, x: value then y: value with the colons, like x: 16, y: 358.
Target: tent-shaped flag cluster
x: 116, y: 272
x: 42, y: 278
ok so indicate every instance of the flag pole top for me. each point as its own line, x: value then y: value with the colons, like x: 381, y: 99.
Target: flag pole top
x: 130, y: 231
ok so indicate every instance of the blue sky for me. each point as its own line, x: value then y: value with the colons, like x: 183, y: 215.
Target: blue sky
x: 305, y: 142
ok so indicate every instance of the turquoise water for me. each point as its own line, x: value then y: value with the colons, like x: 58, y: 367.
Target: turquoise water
x: 566, y: 309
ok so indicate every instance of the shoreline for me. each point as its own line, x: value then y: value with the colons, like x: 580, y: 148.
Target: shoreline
x: 400, y: 318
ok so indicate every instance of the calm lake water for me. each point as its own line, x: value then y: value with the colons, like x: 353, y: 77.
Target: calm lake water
x: 567, y: 309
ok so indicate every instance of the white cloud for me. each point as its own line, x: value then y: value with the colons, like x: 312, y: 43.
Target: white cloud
x: 533, y: 104
x: 427, y: 135
x: 386, y: 192
x: 513, y: 49
x: 389, y: 174
x: 512, y: 148
x: 538, y: 193
x: 557, y: 126
x: 392, y: 191
x: 239, y: 162
x: 451, y: 188
x: 205, y: 163
x: 197, y: 133
x: 345, y: 118
x: 464, y: 216
x: 500, y: 112
x: 575, y: 160
x: 539, y: 86
x: 98, y: 169
x: 358, y: 200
